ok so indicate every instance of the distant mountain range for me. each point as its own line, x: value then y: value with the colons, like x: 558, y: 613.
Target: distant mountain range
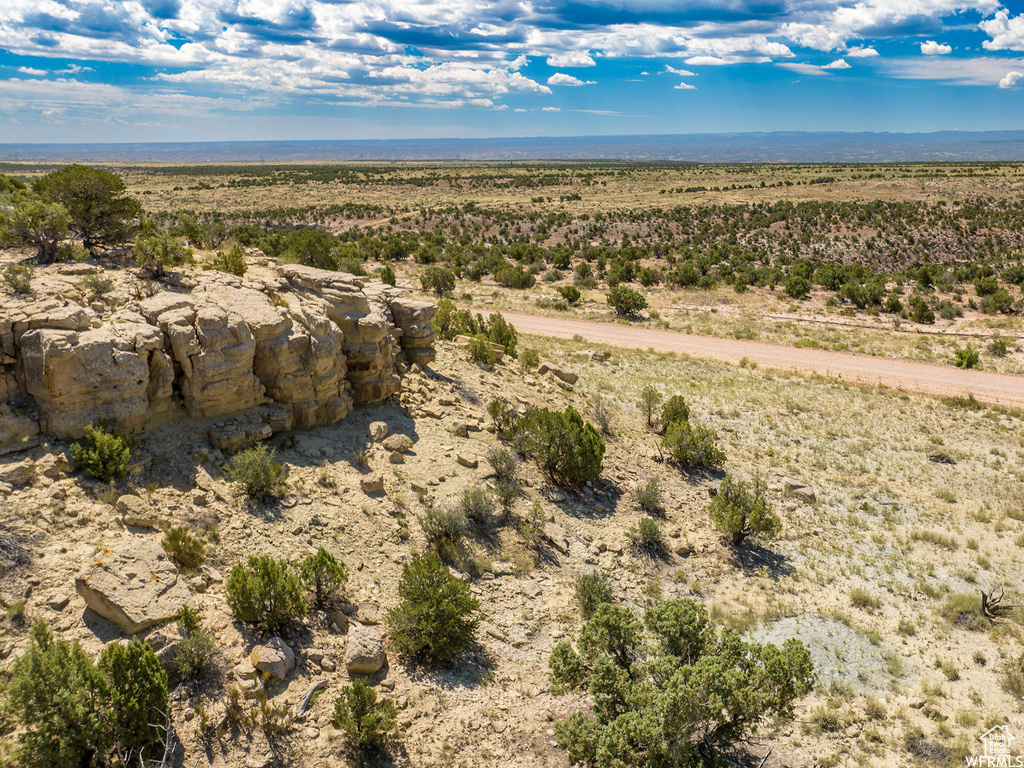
x: 790, y: 147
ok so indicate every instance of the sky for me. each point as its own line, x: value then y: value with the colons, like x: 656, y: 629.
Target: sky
x: 233, y: 70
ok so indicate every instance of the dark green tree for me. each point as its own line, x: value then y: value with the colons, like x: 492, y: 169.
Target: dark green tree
x: 30, y: 221
x: 138, y: 699
x: 569, y: 449
x: 368, y: 724
x: 440, y: 280
x: 323, y: 575
x: 740, y: 509
x: 674, y: 410
x: 101, y: 211
x: 626, y: 301
x: 59, y: 696
x: 673, y: 695
x: 438, y: 616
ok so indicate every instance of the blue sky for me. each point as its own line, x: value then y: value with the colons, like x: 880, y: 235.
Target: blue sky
x: 215, y: 70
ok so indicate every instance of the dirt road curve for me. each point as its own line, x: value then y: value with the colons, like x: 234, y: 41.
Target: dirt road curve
x: 909, y: 375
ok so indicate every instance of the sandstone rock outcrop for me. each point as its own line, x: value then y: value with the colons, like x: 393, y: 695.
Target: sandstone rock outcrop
x: 133, y: 585
x: 293, y: 350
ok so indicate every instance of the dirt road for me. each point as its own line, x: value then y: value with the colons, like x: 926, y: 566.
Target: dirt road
x: 909, y: 375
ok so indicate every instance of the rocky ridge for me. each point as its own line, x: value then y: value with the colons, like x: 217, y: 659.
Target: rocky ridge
x: 290, y: 346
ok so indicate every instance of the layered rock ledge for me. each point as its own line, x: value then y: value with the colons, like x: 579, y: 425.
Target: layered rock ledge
x: 296, y: 346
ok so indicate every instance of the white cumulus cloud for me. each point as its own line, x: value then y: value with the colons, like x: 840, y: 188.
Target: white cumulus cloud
x: 1007, y: 34
x: 1012, y: 80
x: 837, y: 64
x: 572, y: 59
x: 861, y: 52
x: 932, y: 48
x: 550, y: 109
x: 684, y: 86
x: 560, y: 78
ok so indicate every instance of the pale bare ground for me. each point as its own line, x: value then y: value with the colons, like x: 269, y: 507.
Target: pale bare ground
x: 909, y: 375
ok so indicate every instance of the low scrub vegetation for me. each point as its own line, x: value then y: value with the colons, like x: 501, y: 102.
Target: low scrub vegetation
x: 437, y: 617
x: 265, y: 592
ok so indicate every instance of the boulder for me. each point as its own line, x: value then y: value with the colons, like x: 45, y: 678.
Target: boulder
x: 364, y: 652
x: 398, y: 443
x: 133, y: 585
x: 136, y: 513
x: 563, y: 374
x: 275, y: 658
x: 372, y: 484
x: 378, y: 431
x: 467, y: 461
x: 18, y: 473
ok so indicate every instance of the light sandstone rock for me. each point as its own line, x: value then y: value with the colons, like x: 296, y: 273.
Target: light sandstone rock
x: 364, y: 651
x: 275, y: 658
x: 398, y: 442
x: 307, y: 344
x: 133, y: 585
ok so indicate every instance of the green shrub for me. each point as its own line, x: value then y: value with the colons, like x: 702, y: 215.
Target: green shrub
x: 674, y: 410
x: 648, y: 403
x: 96, y: 285
x: 451, y: 321
x: 508, y: 483
x: 504, y: 415
x: 570, y: 293
x: 138, y: 699
x: 529, y: 359
x: 387, y: 275
x: 740, y: 509
x: 480, y: 350
x: 265, y: 592
x: 499, y: 331
x: 233, y: 262
x: 692, y: 447
x: 998, y: 348
x: 675, y: 695
x: 440, y: 280
x: 476, y: 504
x: 647, y: 538
x: 863, y: 599
x: 158, y: 252
x: 58, y: 696
x: 193, y: 658
x: 921, y: 313
x: 102, y: 455
x: 626, y: 301
x: 797, y: 287
x: 182, y: 548
x: 567, y: 448
x: 966, y: 358
x: 18, y: 277
x: 444, y: 528
x: 366, y: 723
x: 255, y: 470
x: 649, y: 497
x: 592, y: 591
x: 964, y: 610
x: 438, y: 616
x: 323, y: 575
x: 314, y: 247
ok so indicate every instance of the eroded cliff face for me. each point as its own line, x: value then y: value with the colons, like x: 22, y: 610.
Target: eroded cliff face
x: 294, y: 347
